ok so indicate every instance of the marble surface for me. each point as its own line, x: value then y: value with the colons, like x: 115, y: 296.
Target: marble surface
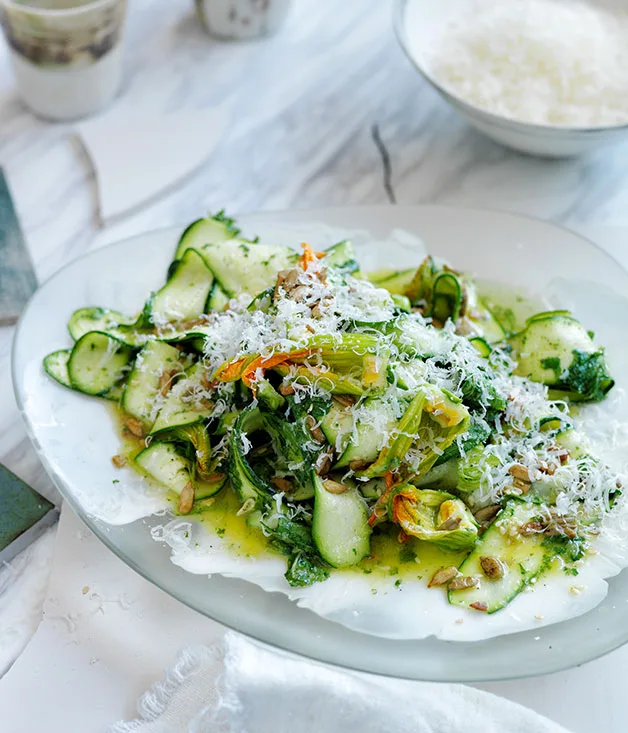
x: 327, y: 112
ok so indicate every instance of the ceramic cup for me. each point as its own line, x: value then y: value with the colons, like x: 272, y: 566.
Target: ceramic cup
x: 66, y: 54
x: 242, y: 19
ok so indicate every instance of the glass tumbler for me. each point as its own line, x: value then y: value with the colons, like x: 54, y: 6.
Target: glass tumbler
x: 242, y: 19
x: 66, y: 54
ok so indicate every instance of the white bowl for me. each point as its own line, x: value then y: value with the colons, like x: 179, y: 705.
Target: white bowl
x: 428, y: 19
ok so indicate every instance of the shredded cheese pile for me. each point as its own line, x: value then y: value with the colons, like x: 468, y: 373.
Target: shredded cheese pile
x: 330, y: 304
x: 553, y: 62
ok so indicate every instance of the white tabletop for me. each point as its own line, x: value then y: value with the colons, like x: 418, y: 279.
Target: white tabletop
x: 304, y: 106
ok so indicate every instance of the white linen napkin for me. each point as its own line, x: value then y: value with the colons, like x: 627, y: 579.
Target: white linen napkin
x: 107, y: 633
x: 237, y: 686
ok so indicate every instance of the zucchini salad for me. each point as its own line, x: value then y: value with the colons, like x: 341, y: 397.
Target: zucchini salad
x: 393, y: 423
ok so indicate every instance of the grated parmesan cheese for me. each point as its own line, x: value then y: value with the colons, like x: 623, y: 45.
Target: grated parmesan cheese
x: 333, y: 306
x: 553, y: 62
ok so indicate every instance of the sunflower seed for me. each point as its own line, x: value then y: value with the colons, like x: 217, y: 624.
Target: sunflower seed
x: 314, y: 429
x: 323, y: 464
x: 519, y: 472
x: 166, y: 381
x: 282, y: 484
x: 450, y: 524
x: 492, y: 567
x: 344, y: 400
x: 487, y: 513
x: 462, y: 582
x: 532, y: 527
x: 479, y: 606
x: 333, y: 487
x: 134, y: 427
x: 443, y: 576
x: 186, y: 498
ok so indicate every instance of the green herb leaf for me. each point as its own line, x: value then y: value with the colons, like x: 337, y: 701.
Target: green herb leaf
x: 587, y: 376
x: 303, y: 571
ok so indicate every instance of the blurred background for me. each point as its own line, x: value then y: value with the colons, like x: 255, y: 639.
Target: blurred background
x: 312, y: 109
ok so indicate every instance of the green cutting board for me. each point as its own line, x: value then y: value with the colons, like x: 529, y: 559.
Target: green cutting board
x: 24, y: 514
x: 17, y: 277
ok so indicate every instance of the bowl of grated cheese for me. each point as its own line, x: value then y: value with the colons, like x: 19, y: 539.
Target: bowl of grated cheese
x: 544, y: 77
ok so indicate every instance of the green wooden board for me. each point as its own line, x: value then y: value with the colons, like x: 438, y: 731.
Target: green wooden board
x: 24, y: 514
x: 17, y: 277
